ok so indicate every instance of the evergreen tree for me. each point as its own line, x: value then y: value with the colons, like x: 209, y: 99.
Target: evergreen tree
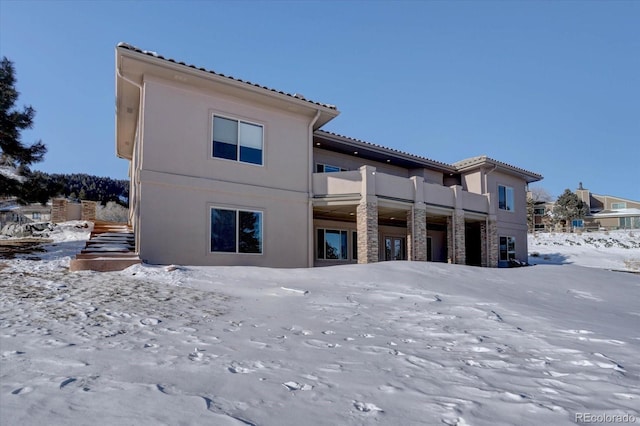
x: 568, y: 207
x: 14, y: 154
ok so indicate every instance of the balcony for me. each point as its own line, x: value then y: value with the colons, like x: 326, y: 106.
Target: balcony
x: 368, y: 181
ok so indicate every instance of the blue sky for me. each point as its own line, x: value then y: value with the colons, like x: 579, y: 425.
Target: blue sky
x: 552, y: 87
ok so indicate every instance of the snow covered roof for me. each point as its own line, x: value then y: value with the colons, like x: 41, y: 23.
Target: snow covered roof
x: 11, y: 173
x: 618, y: 213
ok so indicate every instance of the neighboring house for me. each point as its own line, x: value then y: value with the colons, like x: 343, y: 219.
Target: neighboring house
x: 609, y: 212
x: 12, y: 212
x: 227, y: 172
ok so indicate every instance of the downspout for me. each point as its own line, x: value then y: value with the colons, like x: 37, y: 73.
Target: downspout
x: 135, y: 210
x: 310, y: 191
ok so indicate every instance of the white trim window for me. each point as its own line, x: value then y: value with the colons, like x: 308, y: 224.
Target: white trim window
x: 237, y: 140
x: 332, y: 244
x: 507, y: 248
x: 618, y: 206
x: 235, y: 231
x: 505, y: 198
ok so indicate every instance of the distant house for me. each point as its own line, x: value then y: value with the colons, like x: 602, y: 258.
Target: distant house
x: 609, y: 212
x: 12, y: 212
x: 228, y: 172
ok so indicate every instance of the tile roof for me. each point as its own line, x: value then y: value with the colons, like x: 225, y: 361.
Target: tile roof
x: 482, y: 159
x: 156, y: 55
x: 390, y: 150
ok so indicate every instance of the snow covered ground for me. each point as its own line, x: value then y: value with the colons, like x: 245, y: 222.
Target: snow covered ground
x: 394, y: 343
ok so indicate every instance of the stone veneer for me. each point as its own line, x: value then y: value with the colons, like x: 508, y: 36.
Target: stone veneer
x: 460, y: 256
x: 492, y: 238
x: 89, y: 210
x: 417, y: 243
x: 58, y: 210
x: 367, y: 227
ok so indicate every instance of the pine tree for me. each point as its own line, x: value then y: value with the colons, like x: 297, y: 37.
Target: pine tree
x: 568, y: 207
x: 14, y: 154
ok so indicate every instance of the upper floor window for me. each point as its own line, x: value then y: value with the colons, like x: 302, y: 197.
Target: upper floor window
x: 35, y: 215
x: 327, y: 168
x: 538, y: 211
x: 237, y: 140
x: 505, y: 198
x: 615, y: 206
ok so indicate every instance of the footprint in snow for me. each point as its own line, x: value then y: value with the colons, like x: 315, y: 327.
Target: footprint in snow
x: 367, y: 407
x: 150, y: 321
x: 294, y: 386
x: 21, y: 391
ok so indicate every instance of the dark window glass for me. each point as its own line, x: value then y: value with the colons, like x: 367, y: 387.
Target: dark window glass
x: 250, y: 232
x: 320, y: 242
x: 332, y: 244
x: 354, y: 242
x: 223, y: 230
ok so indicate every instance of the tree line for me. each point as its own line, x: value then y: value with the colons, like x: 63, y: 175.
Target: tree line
x: 16, y: 157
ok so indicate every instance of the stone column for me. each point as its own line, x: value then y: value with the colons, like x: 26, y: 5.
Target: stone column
x: 492, y: 240
x: 88, y: 210
x: 417, y: 233
x: 460, y: 252
x: 367, y: 226
x: 58, y: 210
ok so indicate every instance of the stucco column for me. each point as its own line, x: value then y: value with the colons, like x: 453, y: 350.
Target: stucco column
x: 417, y: 233
x: 367, y: 226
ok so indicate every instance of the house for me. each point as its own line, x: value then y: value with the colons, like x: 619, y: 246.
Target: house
x: 608, y: 211
x: 13, y: 212
x: 228, y: 172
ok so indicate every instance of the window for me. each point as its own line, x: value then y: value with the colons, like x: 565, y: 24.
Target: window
x: 237, y: 140
x: 35, y: 215
x: 326, y: 168
x: 332, y: 244
x: 577, y: 223
x: 631, y: 222
x: 507, y: 248
x: 354, y: 245
x: 538, y: 211
x: 236, y: 231
x: 616, y: 206
x: 505, y: 198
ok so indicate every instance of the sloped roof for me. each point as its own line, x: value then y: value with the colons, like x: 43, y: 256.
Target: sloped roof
x: 617, y: 213
x: 394, y: 153
x: 249, y: 83
x: 482, y: 160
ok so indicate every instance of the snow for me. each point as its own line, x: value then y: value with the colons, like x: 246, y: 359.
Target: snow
x: 389, y: 343
x: 11, y: 173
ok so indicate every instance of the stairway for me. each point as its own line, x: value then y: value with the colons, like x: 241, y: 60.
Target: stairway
x: 111, y: 247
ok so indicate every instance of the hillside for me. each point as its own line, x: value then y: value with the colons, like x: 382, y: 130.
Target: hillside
x: 394, y: 343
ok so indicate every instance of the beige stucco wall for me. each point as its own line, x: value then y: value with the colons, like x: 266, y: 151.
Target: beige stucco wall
x: 178, y: 138
x: 180, y: 180
x: 510, y: 223
x: 176, y: 221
